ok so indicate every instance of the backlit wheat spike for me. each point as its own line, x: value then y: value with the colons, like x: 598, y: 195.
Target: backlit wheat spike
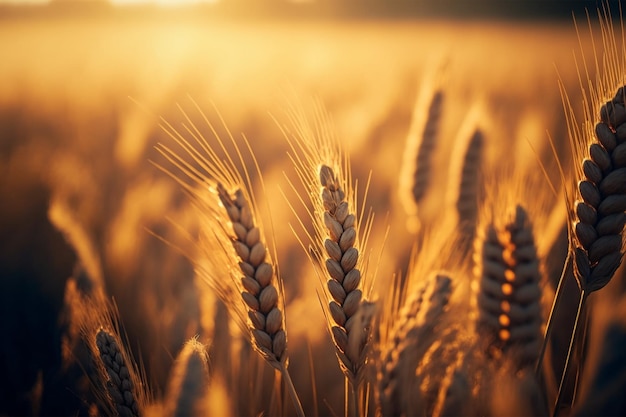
x: 419, y: 151
x: 188, y: 381
x: 232, y: 257
x: 509, y: 296
x: 339, y: 238
x: 259, y: 293
x: 465, y: 189
x: 119, y: 383
x: 601, y: 215
x: 410, y: 339
x: 344, y: 277
x: 467, y: 201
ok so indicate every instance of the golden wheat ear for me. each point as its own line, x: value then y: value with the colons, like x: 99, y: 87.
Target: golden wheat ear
x: 336, y: 247
x: 232, y: 256
x: 345, y: 277
x: 601, y: 215
x: 117, y: 371
x: 421, y: 142
x: 509, y: 293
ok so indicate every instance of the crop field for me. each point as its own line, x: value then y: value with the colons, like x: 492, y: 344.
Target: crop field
x: 205, y: 216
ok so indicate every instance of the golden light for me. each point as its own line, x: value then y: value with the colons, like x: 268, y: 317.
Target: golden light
x: 165, y: 3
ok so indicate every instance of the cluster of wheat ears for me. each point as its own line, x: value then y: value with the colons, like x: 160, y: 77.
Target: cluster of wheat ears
x: 464, y: 334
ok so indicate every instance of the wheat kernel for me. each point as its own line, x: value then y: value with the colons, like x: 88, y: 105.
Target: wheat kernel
x: 257, y: 254
x: 268, y: 299
x: 263, y: 274
x: 349, y: 259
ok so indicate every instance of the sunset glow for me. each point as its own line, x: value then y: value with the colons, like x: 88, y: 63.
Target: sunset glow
x: 165, y: 3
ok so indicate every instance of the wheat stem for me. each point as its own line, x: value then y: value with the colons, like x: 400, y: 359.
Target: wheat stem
x: 581, y: 303
x: 550, y: 323
x: 292, y: 391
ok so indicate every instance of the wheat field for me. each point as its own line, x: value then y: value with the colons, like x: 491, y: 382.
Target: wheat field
x: 311, y: 217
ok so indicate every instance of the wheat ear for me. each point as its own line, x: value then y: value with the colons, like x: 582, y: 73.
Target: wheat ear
x: 188, y: 382
x: 419, y: 151
x: 260, y: 293
x: 465, y: 179
x: 509, y: 296
x: 408, y: 343
x: 339, y: 238
x: 601, y: 215
x: 232, y: 257
x: 344, y: 278
x: 119, y: 384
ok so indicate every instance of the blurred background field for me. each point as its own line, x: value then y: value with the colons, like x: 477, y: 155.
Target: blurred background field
x: 81, y: 95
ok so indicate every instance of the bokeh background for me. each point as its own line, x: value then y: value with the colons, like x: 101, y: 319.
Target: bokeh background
x: 83, y: 86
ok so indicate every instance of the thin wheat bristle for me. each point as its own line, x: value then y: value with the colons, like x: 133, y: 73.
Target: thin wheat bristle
x: 120, y: 386
x: 509, y: 295
x: 188, y: 381
x: 601, y: 214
